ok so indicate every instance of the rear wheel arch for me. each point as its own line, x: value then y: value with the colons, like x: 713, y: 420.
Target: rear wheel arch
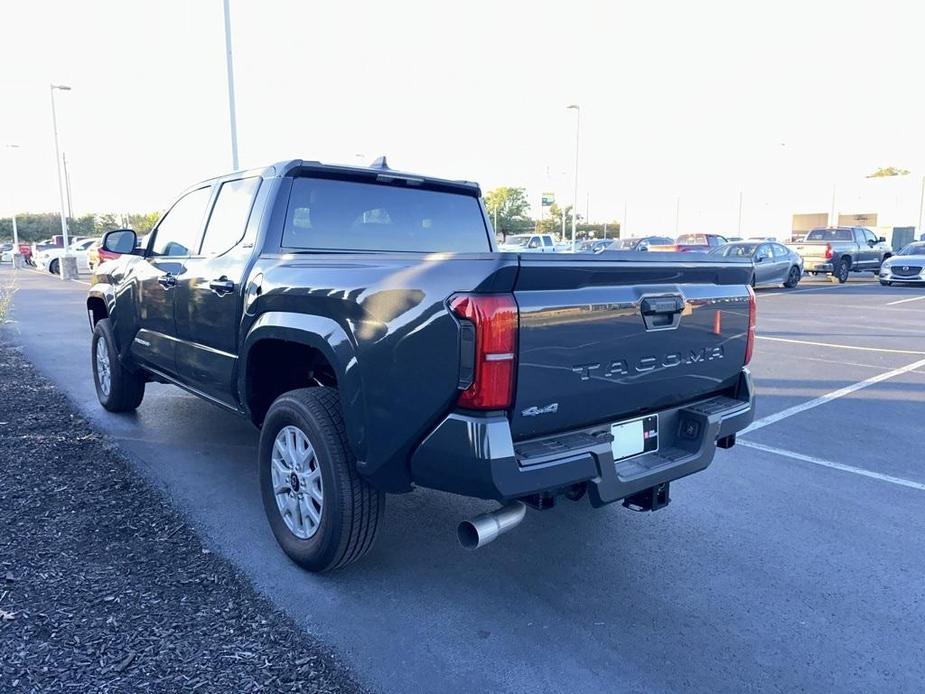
x: 286, y: 351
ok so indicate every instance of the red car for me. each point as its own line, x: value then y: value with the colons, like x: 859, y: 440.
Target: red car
x: 697, y: 243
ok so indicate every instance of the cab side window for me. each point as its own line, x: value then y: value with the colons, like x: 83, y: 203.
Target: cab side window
x: 180, y: 230
x: 547, y: 241
x: 229, y: 216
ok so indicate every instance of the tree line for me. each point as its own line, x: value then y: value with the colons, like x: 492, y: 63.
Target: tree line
x: 509, y: 210
x: 38, y: 226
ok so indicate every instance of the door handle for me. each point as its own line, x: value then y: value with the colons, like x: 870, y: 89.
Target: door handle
x: 167, y: 281
x: 222, y: 285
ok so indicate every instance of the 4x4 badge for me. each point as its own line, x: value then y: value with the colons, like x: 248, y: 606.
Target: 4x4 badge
x: 534, y: 411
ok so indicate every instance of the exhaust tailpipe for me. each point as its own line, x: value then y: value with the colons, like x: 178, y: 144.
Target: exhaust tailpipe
x: 486, y: 527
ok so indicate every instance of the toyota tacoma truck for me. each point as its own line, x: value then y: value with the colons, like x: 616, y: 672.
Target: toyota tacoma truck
x: 364, y: 320
x: 838, y: 251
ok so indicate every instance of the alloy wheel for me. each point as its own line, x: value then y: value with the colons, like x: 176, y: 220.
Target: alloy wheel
x: 103, y: 373
x: 296, y: 479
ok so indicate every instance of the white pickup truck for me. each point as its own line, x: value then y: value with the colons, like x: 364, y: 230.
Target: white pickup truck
x: 530, y: 243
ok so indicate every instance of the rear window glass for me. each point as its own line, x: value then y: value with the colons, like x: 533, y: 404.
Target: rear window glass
x: 692, y: 239
x: 830, y: 235
x: 346, y: 215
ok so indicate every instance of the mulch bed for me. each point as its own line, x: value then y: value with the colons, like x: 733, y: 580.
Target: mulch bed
x: 104, y: 586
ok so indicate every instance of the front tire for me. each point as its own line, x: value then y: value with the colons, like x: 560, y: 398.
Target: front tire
x: 793, y: 278
x: 322, y: 513
x: 117, y: 388
x: 54, y: 266
x: 886, y: 283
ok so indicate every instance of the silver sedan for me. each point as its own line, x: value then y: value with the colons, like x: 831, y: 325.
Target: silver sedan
x: 775, y: 264
x: 906, y: 266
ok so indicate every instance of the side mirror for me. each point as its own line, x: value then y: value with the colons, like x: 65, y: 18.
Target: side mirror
x: 120, y: 241
x: 882, y: 239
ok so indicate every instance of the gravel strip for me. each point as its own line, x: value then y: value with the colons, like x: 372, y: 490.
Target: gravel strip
x: 105, y: 587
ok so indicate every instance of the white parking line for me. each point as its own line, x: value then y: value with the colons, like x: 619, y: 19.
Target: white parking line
x: 835, y: 466
x: 828, y: 397
x: 762, y: 295
x: 832, y: 344
x: 905, y: 301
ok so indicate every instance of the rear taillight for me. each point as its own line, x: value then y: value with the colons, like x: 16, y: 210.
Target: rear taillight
x: 828, y: 251
x: 752, y: 320
x: 488, y: 343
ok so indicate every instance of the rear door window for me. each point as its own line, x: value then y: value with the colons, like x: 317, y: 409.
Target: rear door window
x: 229, y: 215
x: 326, y: 214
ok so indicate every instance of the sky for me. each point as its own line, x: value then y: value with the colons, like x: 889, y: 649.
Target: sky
x: 684, y: 105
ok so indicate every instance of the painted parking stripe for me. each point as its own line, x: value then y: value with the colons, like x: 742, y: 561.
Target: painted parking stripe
x: 906, y: 301
x: 835, y: 466
x: 762, y: 295
x: 832, y: 344
x: 828, y: 397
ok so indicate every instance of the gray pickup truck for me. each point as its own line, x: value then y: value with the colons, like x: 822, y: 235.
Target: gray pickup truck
x: 365, y: 321
x: 838, y: 251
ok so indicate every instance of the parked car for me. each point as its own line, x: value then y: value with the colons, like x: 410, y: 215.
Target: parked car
x: 49, y: 259
x: 377, y: 356
x: 838, y: 251
x: 593, y: 246
x: 640, y: 243
x: 687, y: 243
x: 6, y: 254
x: 534, y: 243
x: 906, y: 267
x: 775, y: 264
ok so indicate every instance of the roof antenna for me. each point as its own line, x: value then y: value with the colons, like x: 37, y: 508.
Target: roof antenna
x: 380, y: 163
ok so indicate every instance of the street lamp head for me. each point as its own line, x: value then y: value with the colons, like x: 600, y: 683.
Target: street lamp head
x: 574, y: 106
x: 11, y: 146
x: 62, y: 87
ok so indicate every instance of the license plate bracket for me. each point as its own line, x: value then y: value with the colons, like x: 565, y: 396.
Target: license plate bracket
x: 634, y: 437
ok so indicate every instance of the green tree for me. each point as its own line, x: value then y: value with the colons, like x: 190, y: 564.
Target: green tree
x: 106, y: 222
x: 510, y: 207
x: 552, y: 222
x: 885, y: 171
x: 141, y: 222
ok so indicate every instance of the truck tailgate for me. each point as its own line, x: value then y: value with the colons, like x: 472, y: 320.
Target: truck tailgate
x: 605, y: 339
x: 811, y: 249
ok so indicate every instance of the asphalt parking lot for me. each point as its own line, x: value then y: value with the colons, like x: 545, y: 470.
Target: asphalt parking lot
x: 794, y: 562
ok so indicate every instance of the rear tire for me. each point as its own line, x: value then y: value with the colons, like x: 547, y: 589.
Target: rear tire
x: 841, y: 271
x: 342, y: 527
x: 793, y: 278
x: 117, y: 388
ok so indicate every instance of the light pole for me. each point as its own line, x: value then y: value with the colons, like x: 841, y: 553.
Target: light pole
x: 739, y: 225
x: 921, y: 210
x: 231, y: 108
x: 677, y: 217
x: 14, y: 253
x: 577, y: 149
x: 54, y: 125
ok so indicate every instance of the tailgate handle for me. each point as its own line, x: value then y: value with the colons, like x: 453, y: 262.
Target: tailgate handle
x: 663, y: 305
